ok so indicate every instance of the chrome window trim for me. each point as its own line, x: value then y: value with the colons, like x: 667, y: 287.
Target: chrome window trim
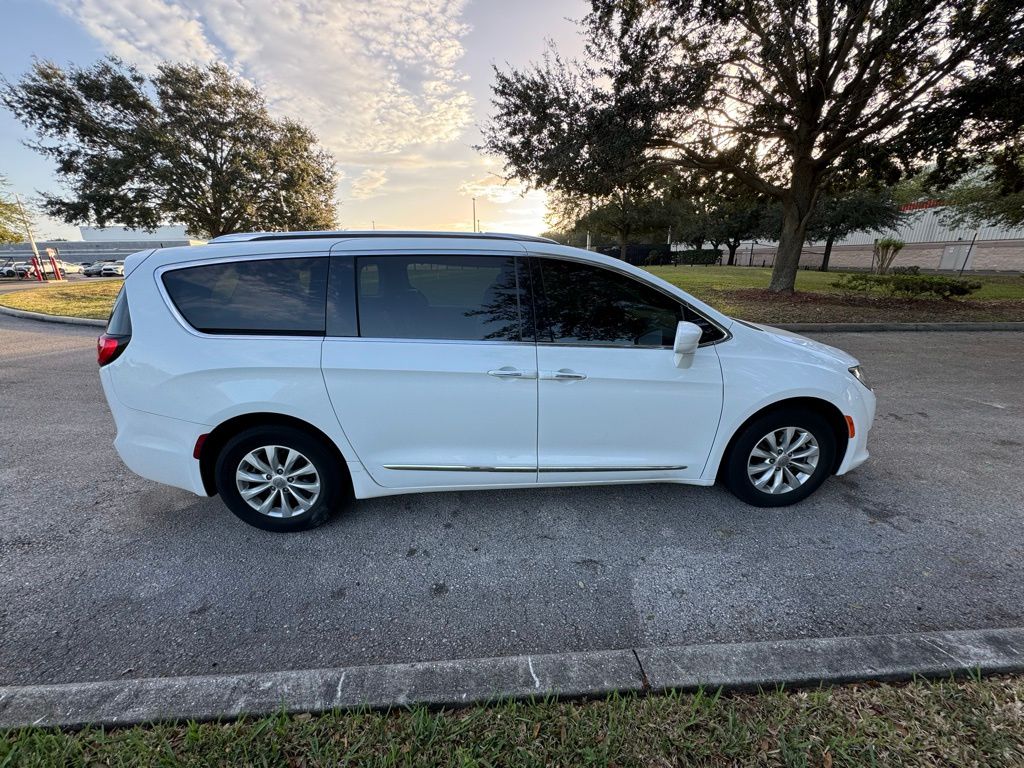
x: 390, y: 340
x: 726, y: 334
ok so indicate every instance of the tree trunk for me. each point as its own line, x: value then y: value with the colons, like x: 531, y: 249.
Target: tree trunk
x: 733, y: 246
x: 828, y: 253
x: 622, y: 244
x: 796, y: 211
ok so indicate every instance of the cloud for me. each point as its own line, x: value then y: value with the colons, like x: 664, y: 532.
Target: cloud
x: 371, y: 77
x: 368, y: 184
x: 495, y: 189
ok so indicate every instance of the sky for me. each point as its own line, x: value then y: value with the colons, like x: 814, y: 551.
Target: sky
x: 397, y: 90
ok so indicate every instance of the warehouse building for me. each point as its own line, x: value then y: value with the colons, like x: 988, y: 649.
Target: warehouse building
x: 931, y: 243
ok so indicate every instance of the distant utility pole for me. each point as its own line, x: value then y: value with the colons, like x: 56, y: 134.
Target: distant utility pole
x: 28, y: 226
x: 478, y: 227
x: 373, y: 225
x: 474, y: 214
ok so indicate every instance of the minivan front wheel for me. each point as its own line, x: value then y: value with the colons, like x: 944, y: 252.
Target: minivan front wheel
x: 780, y: 458
x: 279, y: 479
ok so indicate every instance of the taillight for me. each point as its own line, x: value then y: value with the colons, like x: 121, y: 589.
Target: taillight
x: 108, y: 347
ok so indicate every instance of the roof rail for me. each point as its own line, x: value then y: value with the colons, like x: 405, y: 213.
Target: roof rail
x: 346, y: 234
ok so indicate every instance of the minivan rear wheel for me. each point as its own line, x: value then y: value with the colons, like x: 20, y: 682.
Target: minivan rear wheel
x: 279, y: 478
x: 780, y: 458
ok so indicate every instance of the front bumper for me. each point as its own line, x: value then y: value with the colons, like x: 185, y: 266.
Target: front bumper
x: 862, y: 409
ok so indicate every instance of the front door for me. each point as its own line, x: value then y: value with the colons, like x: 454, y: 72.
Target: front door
x: 613, y: 404
x: 435, y: 382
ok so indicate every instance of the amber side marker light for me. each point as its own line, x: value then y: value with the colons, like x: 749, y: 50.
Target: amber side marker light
x: 849, y: 426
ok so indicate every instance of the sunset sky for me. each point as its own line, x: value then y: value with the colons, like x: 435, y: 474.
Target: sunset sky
x: 396, y: 90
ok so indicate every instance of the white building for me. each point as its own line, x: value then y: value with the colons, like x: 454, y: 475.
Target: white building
x: 110, y: 234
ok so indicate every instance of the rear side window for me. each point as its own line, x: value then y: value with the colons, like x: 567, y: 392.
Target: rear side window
x: 120, y: 322
x: 278, y: 297
x: 471, y: 298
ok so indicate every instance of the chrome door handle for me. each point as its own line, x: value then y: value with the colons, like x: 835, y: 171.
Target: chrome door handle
x: 563, y: 375
x: 511, y: 373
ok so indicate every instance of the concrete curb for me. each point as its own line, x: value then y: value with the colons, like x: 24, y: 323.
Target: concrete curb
x: 739, y: 666
x: 51, y: 318
x: 885, y: 327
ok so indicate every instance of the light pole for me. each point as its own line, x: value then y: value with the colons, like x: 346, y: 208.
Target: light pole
x: 474, y: 214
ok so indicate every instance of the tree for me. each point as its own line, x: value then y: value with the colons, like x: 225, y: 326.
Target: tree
x: 861, y: 209
x: 620, y: 215
x: 192, y: 145
x: 733, y: 213
x: 11, y: 224
x: 986, y: 200
x: 833, y: 87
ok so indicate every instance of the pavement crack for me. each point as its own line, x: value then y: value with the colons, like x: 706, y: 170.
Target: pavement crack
x: 645, y: 684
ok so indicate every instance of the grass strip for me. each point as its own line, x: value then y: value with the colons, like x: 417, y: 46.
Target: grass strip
x: 72, y: 299
x: 951, y: 722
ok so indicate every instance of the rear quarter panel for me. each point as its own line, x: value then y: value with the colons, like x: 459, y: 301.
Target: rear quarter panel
x: 171, y: 370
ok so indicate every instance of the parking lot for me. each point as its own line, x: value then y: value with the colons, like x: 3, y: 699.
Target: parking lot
x: 105, y: 575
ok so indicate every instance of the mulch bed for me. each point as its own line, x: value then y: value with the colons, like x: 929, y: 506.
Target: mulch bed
x: 761, y: 305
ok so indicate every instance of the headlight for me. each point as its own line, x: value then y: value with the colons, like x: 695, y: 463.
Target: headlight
x: 858, y: 374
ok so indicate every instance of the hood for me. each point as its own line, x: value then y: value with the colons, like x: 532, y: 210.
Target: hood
x: 824, y: 351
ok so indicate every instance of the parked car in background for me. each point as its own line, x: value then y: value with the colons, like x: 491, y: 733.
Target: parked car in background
x: 113, y: 269
x: 27, y: 270
x: 95, y: 268
x: 70, y: 267
x: 9, y: 268
x: 291, y: 372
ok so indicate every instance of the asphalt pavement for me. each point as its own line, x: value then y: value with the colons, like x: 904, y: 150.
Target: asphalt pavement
x: 104, y: 575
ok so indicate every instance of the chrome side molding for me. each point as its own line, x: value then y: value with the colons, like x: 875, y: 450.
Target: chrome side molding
x: 467, y: 468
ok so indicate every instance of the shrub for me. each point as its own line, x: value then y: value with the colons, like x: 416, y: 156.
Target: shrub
x: 910, y: 285
x: 857, y: 282
x: 913, y: 286
x: 886, y: 251
x: 905, y: 271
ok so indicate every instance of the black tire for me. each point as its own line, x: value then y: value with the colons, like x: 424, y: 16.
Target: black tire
x: 334, y: 486
x: 735, y: 472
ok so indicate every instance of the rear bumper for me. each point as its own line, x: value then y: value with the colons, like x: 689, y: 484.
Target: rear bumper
x: 155, y: 447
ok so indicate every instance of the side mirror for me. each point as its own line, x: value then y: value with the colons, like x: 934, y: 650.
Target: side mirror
x: 687, y: 338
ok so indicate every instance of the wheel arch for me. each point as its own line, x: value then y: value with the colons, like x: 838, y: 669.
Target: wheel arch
x: 832, y: 414
x: 219, y: 436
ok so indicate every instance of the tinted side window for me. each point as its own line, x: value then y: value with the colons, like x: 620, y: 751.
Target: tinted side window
x: 264, y: 297
x: 472, y: 298
x: 591, y: 305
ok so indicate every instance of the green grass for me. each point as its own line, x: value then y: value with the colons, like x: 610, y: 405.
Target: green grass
x: 698, y: 280
x: 967, y: 722
x: 74, y: 299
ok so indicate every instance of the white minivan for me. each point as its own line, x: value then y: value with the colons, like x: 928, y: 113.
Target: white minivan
x: 293, y: 372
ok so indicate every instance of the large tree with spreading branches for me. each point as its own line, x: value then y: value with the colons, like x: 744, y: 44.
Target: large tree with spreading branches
x: 192, y: 145
x: 822, y: 88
